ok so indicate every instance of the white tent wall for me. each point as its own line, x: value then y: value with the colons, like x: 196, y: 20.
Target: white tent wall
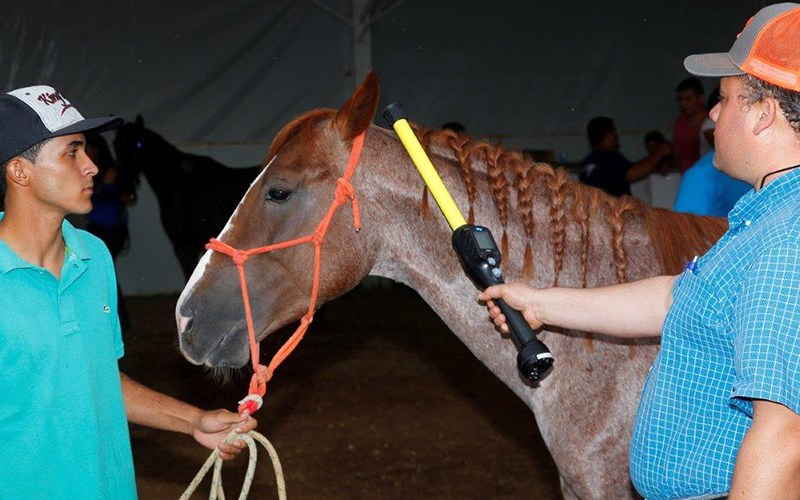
x: 221, y: 78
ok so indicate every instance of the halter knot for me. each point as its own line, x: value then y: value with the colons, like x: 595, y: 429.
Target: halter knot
x: 263, y: 373
x: 346, y: 192
x: 239, y: 258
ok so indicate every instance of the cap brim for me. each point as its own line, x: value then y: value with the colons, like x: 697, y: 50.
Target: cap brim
x: 89, y: 125
x: 718, y: 64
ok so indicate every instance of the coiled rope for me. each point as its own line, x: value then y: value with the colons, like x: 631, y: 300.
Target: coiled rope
x: 216, y: 479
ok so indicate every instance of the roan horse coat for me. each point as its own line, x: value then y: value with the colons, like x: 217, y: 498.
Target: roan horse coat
x: 551, y: 231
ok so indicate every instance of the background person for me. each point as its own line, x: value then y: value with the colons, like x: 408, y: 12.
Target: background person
x: 686, y: 132
x: 608, y: 169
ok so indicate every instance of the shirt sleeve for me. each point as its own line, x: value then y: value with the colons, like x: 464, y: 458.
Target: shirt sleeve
x: 767, y: 331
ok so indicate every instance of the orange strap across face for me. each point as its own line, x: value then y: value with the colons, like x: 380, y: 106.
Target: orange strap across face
x: 262, y: 374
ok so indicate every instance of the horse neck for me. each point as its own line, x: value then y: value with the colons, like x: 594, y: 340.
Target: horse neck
x: 163, y: 167
x: 550, y: 229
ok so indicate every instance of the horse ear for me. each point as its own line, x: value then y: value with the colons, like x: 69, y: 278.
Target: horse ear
x: 139, y: 122
x: 356, y: 114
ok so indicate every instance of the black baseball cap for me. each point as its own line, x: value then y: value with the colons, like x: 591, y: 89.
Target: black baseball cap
x: 31, y: 115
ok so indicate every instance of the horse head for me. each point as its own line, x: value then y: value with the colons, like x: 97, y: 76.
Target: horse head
x: 288, y: 200
x: 139, y: 149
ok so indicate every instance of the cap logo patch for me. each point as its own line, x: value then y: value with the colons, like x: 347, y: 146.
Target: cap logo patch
x: 54, y: 97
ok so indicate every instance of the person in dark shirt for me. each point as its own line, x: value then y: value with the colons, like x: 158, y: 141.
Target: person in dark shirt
x: 608, y: 169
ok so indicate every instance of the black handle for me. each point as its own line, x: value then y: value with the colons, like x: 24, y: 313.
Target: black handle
x: 393, y: 112
x: 534, y: 358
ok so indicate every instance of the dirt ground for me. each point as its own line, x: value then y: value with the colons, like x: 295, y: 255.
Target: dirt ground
x: 379, y: 401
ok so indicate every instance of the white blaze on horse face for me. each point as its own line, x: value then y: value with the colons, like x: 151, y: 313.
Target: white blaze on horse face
x: 200, y: 270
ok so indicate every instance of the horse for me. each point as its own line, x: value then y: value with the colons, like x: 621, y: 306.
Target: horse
x: 552, y: 231
x: 195, y: 194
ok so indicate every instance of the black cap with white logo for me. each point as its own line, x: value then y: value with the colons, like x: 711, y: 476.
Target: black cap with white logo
x: 31, y: 115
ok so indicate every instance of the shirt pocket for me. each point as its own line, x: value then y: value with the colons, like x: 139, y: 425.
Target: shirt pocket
x: 696, y: 314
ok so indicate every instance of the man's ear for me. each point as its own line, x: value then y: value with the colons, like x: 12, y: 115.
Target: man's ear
x: 767, y: 111
x: 17, y: 172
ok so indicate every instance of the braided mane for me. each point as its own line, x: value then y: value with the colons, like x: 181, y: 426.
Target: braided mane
x: 675, y: 237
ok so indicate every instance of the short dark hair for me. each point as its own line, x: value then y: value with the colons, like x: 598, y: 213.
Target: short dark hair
x: 691, y: 83
x: 597, y: 129
x: 30, y: 154
x: 654, y: 136
x: 756, y: 90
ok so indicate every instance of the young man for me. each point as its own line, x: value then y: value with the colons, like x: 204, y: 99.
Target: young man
x: 686, y: 132
x: 720, y: 410
x: 63, y: 401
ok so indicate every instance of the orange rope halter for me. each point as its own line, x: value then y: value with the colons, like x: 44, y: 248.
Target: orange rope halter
x: 263, y: 374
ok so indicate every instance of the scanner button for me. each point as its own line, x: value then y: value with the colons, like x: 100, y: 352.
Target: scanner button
x: 491, y: 261
x: 496, y: 272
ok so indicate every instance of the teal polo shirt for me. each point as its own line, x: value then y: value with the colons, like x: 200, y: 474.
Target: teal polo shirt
x: 63, y: 427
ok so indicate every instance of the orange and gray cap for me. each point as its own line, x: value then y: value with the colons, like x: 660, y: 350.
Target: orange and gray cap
x: 31, y: 115
x: 768, y: 48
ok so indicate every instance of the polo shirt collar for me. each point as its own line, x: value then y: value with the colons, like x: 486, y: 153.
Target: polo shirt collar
x: 9, y: 260
x: 773, y: 196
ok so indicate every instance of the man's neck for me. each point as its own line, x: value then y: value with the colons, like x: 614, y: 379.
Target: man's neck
x: 35, y: 236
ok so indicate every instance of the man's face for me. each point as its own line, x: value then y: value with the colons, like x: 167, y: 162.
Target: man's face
x: 734, y: 125
x: 61, y: 177
x: 690, y: 102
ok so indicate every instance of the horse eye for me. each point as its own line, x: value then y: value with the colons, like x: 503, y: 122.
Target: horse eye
x: 139, y: 144
x: 278, y: 195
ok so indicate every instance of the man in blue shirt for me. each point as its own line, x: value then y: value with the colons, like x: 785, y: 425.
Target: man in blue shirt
x: 720, y: 410
x: 64, y: 405
x: 704, y: 190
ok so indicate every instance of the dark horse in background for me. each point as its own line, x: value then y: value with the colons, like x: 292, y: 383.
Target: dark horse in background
x: 196, y: 194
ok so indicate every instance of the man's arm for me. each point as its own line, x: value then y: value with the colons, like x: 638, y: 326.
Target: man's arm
x: 768, y: 463
x: 147, y: 407
x: 645, y: 166
x: 635, y: 309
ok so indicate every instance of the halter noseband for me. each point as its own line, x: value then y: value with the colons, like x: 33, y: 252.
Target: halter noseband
x: 344, y: 193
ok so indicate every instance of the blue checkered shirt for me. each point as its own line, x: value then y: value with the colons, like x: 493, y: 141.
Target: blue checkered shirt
x: 731, y: 336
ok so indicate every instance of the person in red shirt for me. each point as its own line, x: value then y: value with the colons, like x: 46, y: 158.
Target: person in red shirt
x: 686, y: 133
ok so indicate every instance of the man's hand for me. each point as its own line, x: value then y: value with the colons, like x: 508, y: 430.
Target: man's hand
x: 211, y: 427
x: 518, y: 296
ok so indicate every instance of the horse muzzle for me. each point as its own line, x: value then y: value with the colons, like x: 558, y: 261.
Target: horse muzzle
x: 201, y: 347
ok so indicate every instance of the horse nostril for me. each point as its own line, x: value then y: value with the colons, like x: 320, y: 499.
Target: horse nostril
x: 185, y: 323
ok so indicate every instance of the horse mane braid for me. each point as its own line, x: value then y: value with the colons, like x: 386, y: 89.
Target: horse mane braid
x: 674, y: 236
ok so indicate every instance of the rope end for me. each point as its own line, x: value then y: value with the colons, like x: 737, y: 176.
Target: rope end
x: 252, y: 403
